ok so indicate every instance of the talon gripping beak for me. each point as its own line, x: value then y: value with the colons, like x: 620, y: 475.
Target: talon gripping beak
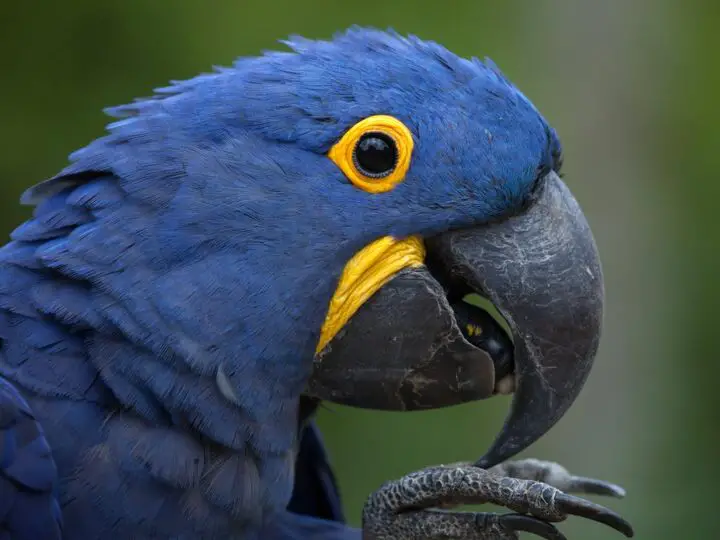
x: 406, y: 348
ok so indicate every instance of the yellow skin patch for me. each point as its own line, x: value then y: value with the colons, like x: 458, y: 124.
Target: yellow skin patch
x: 342, y: 153
x: 370, y: 269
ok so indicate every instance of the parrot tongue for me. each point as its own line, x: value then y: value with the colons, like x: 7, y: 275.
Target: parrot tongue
x: 417, y: 344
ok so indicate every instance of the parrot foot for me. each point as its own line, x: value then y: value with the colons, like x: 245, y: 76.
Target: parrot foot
x: 408, y: 508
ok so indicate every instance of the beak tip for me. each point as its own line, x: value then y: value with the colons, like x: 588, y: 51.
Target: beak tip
x: 487, y: 461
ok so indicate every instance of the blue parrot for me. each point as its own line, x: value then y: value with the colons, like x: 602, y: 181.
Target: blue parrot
x: 303, y: 226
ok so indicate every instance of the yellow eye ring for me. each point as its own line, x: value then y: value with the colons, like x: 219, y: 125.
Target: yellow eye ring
x: 375, y: 153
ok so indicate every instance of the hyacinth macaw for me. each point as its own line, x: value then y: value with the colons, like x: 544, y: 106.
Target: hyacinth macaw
x: 302, y: 226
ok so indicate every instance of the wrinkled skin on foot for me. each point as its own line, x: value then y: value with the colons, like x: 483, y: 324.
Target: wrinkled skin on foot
x: 536, y: 491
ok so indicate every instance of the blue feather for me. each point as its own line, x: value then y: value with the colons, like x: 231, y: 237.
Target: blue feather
x: 29, y: 508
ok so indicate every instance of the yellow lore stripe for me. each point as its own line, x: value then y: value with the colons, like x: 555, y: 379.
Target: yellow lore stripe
x: 370, y: 269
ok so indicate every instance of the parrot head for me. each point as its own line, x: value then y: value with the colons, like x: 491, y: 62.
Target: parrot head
x: 309, y: 223
x: 461, y: 172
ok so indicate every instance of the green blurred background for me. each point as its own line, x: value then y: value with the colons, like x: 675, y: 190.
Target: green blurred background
x: 632, y: 88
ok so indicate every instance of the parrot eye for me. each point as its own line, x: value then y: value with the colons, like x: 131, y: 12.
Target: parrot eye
x: 375, y: 153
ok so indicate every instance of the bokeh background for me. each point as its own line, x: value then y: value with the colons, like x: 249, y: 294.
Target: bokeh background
x: 632, y: 88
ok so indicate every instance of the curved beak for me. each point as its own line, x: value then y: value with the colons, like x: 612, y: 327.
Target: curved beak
x: 541, y: 270
x: 407, y: 348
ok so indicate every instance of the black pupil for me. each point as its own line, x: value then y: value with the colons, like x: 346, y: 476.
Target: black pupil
x: 375, y: 154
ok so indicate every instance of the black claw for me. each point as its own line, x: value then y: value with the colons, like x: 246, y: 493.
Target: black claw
x: 580, y: 507
x: 580, y: 484
x: 538, y: 527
